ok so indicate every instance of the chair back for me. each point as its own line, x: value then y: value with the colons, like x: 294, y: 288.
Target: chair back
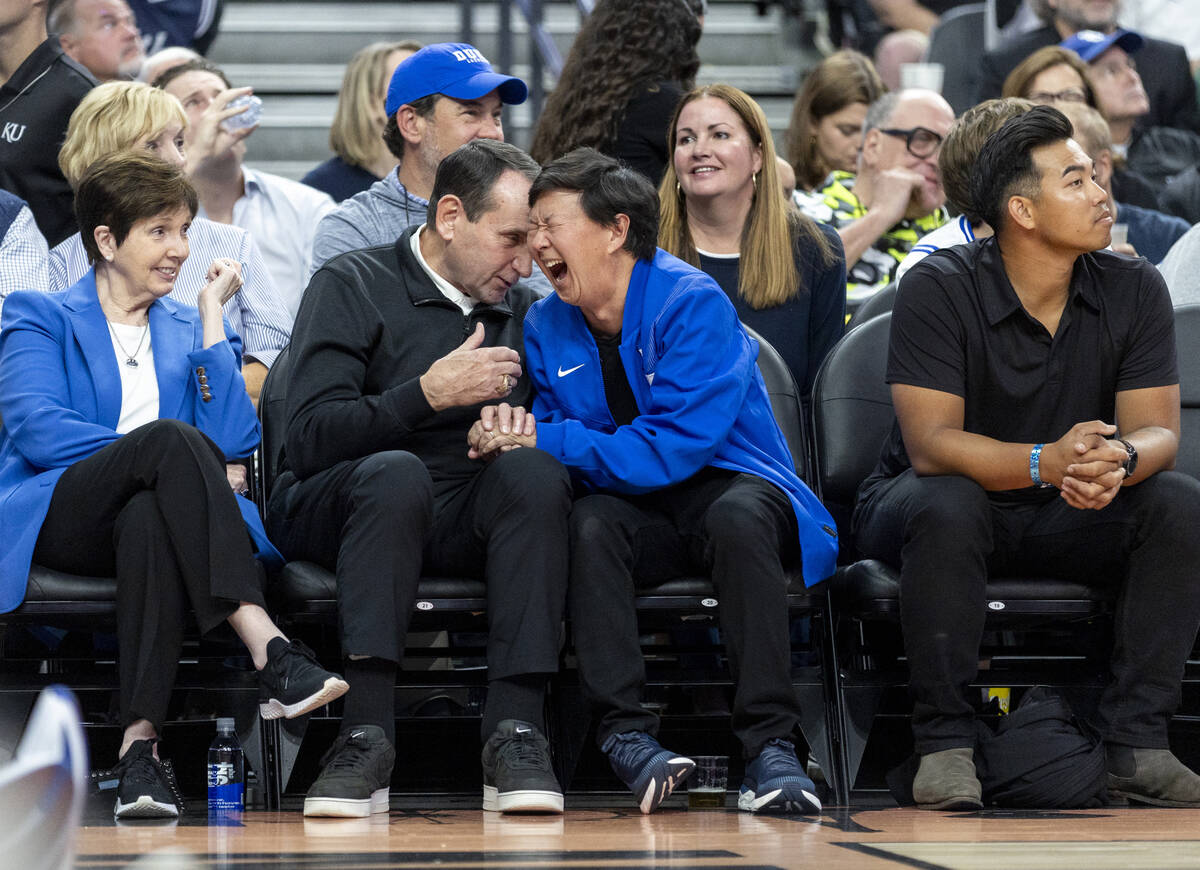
x: 956, y: 42
x: 875, y: 305
x: 852, y: 413
x: 272, y: 414
x: 1187, y: 350
x: 785, y: 402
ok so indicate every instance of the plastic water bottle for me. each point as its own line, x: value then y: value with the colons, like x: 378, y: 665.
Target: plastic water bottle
x: 226, y: 770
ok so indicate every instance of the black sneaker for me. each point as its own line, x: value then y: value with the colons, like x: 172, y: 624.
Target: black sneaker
x: 355, y: 775
x: 147, y: 788
x: 650, y: 771
x: 517, y: 776
x: 293, y: 683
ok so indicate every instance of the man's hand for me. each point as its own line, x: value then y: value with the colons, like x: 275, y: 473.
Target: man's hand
x: 207, y: 139
x: 471, y: 374
x: 1086, y: 466
x: 235, y: 473
x: 893, y: 191
x: 499, y: 429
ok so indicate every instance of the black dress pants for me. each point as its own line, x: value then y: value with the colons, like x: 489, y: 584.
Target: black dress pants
x: 376, y: 523
x: 736, y: 528
x: 154, y: 509
x: 947, y: 535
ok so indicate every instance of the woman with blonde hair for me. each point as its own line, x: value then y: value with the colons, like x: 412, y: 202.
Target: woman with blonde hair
x: 360, y: 156
x: 722, y: 210
x: 825, y: 131
x: 120, y: 117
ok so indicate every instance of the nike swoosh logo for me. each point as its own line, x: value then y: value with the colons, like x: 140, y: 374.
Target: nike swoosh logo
x: 523, y: 730
x: 563, y: 374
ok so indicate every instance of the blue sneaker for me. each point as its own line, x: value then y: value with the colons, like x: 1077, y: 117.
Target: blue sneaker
x: 650, y: 771
x: 776, y: 781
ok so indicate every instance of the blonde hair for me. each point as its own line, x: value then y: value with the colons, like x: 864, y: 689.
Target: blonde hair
x: 114, y: 117
x: 353, y: 134
x: 767, y: 273
x: 1091, y: 131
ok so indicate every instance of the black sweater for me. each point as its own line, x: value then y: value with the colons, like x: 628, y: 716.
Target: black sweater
x: 371, y: 323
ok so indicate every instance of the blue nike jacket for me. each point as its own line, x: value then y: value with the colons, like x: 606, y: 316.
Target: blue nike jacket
x: 701, y: 397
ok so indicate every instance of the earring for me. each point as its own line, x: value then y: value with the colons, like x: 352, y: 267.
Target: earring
x: 754, y: 179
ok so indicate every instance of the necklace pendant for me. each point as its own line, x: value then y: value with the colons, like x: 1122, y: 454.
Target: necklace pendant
x: 131, y: 362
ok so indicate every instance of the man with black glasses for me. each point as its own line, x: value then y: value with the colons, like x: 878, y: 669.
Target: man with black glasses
x: 896, y: 197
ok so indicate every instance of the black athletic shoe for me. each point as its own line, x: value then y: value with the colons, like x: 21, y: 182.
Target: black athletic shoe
x: 517, y: 776
x: 293, y: 683
x: 650, y: 771
x: 147, y: 788
x: 355, y: 775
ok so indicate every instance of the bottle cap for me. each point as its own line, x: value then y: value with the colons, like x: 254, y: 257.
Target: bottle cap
x: 225, y: 723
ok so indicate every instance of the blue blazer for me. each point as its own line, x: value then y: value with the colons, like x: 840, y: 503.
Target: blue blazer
x: 60, y: 400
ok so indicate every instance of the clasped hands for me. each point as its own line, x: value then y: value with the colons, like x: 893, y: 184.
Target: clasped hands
x: 499, y: 429
x: 1088, y: 462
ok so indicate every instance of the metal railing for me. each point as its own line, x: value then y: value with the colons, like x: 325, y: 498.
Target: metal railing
x: 543, y: 54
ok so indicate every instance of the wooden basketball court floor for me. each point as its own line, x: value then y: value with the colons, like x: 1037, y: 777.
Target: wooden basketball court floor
x: 607, y: 831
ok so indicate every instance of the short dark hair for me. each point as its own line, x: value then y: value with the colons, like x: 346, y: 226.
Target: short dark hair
x: 198, y: 65
x: 1005, y: 165
x: 391, y: 130
x: 121, y: 189
x: 607, y: 188
x: 470, y: 172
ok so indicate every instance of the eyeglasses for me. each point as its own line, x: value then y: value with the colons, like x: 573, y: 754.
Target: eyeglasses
x: 1070, y: 95
x: 920, y: 141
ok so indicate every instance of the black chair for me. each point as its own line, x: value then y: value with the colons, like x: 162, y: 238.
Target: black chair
x: 875, y: 305
x: 956, y: 42
x: 1187, y: 349
x: 852, y: 416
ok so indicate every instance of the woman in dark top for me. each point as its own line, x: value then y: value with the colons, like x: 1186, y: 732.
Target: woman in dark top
x: 356, y: 136
x: 629, y: 65
x: 723, y: 210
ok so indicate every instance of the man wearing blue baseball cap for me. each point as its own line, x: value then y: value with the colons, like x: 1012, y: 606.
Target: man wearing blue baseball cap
x: 1115, y: 60
x: 442, y: 97
x: 1164, y: 65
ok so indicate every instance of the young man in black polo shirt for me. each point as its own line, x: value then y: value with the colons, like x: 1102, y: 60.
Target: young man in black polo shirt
x: 39, y: 89
x: 1011, y: 360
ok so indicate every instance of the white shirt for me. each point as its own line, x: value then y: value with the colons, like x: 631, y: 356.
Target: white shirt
x: 282, y: 216
x: 23, y: 257
x: 957, y: 232
x: 465, y: 303
x: 139, y: 385
x: 255, y: 312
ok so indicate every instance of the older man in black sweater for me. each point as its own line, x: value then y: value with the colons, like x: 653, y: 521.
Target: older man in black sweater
x: 395, y: 350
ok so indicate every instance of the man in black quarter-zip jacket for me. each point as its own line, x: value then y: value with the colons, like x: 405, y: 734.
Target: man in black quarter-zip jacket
x: 394, y: 352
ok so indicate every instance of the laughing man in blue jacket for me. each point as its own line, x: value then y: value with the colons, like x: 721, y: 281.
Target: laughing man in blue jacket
x: 647, y: 390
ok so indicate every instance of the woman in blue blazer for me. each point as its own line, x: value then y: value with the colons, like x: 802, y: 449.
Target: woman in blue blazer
x: 119, y: 409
